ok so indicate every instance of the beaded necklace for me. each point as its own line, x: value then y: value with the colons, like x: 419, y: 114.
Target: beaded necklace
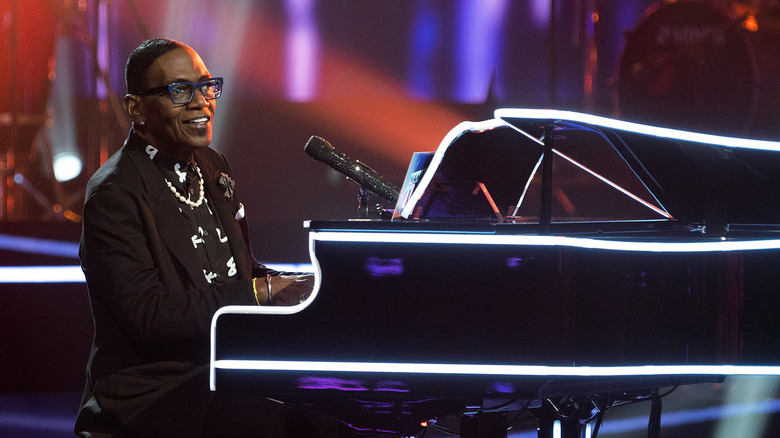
x: 187, y: 200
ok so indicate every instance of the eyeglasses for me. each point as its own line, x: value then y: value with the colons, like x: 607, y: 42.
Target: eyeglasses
x: 182, y: 92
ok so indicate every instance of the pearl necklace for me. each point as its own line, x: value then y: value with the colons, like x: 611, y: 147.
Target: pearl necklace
x: 187, y: 200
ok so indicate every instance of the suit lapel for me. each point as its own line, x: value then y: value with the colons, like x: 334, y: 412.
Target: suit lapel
x: 165, y: 209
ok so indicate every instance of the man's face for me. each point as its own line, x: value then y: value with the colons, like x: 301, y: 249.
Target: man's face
x: 177, y: 129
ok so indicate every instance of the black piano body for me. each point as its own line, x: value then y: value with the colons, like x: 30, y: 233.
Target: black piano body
x: 536, y: 256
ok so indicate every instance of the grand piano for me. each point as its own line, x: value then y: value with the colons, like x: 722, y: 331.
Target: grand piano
x: 543, y: 262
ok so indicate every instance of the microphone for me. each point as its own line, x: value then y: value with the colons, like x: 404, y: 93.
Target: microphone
x: 321, y: 150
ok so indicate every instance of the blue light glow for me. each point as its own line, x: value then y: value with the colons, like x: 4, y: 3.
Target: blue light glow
x: 480, y: 23
x: 382, y: 267
x: 693, y: 416
x: 424, y: 42
x: 102, y: 46
x: 541, y: 11
x: 302, y: 52
x: 38, y: 422
x: 34, y: 245
x: 330, y: 383
x: 503, y: 387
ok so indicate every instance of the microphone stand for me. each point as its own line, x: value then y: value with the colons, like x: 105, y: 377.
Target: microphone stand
x: 364, y: 196
x: 366, y: 212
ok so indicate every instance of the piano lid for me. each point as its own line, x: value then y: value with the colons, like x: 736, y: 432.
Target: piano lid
x: 602, y: 170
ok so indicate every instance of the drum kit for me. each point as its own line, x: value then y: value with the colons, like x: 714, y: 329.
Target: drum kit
x: 710, y: 66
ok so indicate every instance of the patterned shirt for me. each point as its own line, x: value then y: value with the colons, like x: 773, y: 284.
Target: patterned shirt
x: 201, y: 222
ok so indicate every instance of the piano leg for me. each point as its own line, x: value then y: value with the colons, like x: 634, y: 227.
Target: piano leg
x: 551, y: 426
x: 567, y: 418
x: 654, y: 424
x: 553, y: 423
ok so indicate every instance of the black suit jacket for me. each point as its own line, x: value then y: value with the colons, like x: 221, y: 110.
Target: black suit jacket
x: 151, y: 302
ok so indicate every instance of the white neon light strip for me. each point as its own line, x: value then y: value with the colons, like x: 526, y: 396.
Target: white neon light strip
x: 576, y: 242
x: 493, y: 370
x: 73, y: 274
x: 41, y: 274
x: 543, y: 114
x: 454, y: 133
x: 528, y: 184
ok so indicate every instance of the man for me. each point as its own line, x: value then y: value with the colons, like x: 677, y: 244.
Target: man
x: 165, y: 245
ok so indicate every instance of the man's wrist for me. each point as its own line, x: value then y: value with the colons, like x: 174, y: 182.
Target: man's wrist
x: 268, y: 283
x: 261, y: 298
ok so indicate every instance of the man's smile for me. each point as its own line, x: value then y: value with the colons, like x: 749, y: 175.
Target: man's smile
x: 198, y: 122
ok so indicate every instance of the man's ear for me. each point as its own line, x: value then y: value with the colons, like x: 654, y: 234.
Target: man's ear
x: 133, y: 109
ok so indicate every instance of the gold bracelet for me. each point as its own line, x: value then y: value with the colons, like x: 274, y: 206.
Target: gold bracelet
x: 254, y: 288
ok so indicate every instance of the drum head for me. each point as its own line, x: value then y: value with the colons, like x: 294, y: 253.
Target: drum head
x: 688, y: 66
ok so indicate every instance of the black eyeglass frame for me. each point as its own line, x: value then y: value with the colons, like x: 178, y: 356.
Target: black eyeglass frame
x: 195, y: 85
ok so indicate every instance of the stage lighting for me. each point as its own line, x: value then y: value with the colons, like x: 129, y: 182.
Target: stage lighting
x: 67, y: 165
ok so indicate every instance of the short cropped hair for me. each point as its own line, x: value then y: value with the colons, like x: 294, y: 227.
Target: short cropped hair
x: 142, y: 58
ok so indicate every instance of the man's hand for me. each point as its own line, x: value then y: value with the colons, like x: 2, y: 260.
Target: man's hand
x: 289, y: 290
